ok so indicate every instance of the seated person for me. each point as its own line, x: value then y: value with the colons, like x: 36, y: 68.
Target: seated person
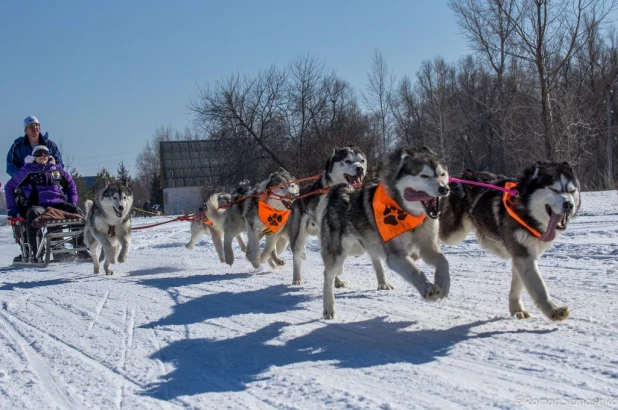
x: 44, y: 184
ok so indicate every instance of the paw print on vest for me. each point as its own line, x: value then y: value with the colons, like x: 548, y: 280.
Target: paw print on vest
x: 275, y: 219
x: 393, y: 215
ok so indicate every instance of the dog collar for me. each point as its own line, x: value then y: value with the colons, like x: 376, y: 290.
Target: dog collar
x: 390, y: 218
x: 508, y: 204
x: 273, y: 218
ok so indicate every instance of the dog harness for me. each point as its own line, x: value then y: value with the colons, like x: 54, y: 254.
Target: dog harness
x: 390, y: 218
x: 508, y: 204
x: 273, y: 218
x: 207, y: 222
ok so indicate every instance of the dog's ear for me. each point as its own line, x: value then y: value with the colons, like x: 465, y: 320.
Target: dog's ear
x: 425, y: 148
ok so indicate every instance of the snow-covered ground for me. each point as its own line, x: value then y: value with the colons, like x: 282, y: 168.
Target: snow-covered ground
x: 176, y: 328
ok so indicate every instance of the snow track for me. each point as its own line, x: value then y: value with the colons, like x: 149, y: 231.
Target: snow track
x: 176, y: 329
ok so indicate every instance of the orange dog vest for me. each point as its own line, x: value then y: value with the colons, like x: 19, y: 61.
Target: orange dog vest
x: 392, y: 220
x: 273, y: 218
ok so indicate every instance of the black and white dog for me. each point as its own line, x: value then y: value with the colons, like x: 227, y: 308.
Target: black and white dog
x: 108, y: 225
x: 263, y: 212
x: 346, y: 165
x: 389, y: 219
x: 519, y: 227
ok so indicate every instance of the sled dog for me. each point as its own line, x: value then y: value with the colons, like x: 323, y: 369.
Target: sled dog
x: 264, y: 211
x: 519, y: 227
x: 108, y: 224
x: 346, y: 165
x: 389, y: 219
x: 206, y: 227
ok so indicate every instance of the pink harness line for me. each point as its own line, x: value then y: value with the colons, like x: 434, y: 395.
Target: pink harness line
x: 511, y: 192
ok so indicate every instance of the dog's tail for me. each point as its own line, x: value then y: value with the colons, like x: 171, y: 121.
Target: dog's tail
x: 213, y: 212
x: 88, y: 206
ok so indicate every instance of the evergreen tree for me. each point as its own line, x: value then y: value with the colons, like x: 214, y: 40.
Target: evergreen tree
x: 123, y: 175
x: 156, y: 193
x: 80, y: 184
x: 102, y: 178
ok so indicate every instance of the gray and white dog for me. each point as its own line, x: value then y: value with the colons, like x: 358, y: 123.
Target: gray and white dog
x: 347, y: 165
x: 200, y: 228
x: 389, y: 219
x: 519, y: 228
x: 108, y: 224
x: 277, y: 193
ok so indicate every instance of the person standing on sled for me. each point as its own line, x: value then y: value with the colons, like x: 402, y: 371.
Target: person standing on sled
x: 39, y: 184
x: 23, y: 146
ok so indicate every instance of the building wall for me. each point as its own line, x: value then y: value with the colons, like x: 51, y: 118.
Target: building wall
x: 177, y: 201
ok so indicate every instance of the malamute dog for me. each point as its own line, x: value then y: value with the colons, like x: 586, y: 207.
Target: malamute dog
x: 108, y: 224
x: 263, y: 212
x: 346, y: 165
x: 206, y: 227
x: 519, y: 227
x: 389, y: 219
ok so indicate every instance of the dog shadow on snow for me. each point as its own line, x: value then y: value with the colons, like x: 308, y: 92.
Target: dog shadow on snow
x: 229, y: 365
x: 269, y: 300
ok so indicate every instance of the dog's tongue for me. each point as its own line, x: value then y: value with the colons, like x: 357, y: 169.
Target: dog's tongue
x: 550, y: 232
x: 413, y: 196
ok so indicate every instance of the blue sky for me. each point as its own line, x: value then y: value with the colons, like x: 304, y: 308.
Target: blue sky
x: 102, y: 75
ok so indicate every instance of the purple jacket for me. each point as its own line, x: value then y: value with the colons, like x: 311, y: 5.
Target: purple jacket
x: 48, y: 179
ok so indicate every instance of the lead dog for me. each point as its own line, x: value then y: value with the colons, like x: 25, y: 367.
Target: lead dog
x: 206, y: 227
x: 108, y: 224
x: 389, y: 219
x: 346, y: 165
x: 519, y: 227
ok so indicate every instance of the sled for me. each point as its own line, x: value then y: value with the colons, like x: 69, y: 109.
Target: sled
x: 55, y: 237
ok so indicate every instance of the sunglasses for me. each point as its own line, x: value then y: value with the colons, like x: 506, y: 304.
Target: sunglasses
x: 41, y: 154
x: 34, y: 126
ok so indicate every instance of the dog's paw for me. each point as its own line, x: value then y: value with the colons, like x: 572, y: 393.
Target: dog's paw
x: 432, y: 292
x: 303, y: 255
x: 385, y: 286
x: 522, y: 314
x: 339, y: 283
x: 329, y: 314
x: 109, y: 272
x: 189, y: 246
x: 256, y: 263
x: 558, y: 314
x: 297, y: 282
x: 122, y: 258
x: 97, y: 270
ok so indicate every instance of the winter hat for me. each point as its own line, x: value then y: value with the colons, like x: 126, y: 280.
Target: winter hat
x: 31, y: 119
x: 38, y: 149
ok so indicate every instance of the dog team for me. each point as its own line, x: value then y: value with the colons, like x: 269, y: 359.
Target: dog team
x: 397, y: 217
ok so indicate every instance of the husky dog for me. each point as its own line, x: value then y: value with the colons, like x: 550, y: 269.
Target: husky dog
x: 519, y: 227
x: 346, y: 165
x: 108, y: 224
x: 263, y: 212
x: 389, y: 219
x: 206, y: 227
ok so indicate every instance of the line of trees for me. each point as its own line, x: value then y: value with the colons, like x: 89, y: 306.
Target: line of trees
x: 539, y: 85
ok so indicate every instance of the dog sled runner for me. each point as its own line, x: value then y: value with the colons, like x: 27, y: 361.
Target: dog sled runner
x: 58, y: 237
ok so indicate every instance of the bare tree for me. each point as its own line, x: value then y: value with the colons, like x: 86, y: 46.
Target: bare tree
x: 486, y: 25
x: 246, y: 108
x: 379, y: 90
x: 406, y: 114
x: 547, y: 35
x: 436, y: 90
